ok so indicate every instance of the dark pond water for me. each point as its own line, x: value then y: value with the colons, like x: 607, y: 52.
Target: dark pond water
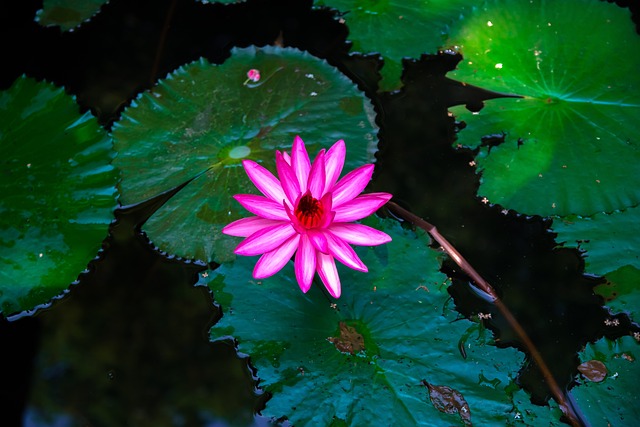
x: 128, y: 345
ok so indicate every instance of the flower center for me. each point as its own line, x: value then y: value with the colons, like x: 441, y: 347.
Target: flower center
x: 309, y: 211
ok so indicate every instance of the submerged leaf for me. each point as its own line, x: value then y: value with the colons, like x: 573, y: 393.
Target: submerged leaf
x: 408, y: 329
x: 203, y: 120
x: 571, y: 145
x: 57, y: 190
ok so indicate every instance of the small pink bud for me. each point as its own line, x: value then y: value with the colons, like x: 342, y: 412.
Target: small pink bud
x: 253, y: 75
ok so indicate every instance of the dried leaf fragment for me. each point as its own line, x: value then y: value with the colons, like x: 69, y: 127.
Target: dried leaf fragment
x: 349, y: 341
x: 593, y: 370
x: 449, y: 401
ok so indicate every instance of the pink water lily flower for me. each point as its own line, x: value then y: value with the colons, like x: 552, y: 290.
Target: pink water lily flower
x: 307, y: 212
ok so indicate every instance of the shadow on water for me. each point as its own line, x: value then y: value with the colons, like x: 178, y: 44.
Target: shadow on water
x: 128, y: 344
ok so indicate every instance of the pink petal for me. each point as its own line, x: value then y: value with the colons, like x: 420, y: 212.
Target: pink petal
x: 318, y: 240
x: 351, y: 184
x: 305, y: 263
x: 328, y: 215
x: 300, y: 162
x: 295, y: 222
x: 334, y: 161
x: 247, y: 226
x: 360, y: 207
x: 358, y: 234
x: 287, y: 179
x: 264, y: 180
x: 317, y: 176
x: 265, y: 240
x: 328, y: 273
x: 262, y: 206
x: 286, y: 157
x: 345, y: 253
x: 272, y: 262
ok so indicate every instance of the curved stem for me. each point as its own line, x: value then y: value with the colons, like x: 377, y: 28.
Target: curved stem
x: 566, y: 404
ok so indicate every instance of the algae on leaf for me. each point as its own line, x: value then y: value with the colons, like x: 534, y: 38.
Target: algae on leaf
x: 571, y: 145
x: 203, y: 120
x: 58, y: 192
x: 365, y: 358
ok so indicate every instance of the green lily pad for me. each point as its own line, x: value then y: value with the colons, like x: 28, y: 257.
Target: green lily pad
x: 68, y: 14
x: 621, y: 292
x: 571, y: 145
x: 365, y: 359
x: 398, y: 29
x: 614, y: 401
x: 203, y: 119
x: 606, y: 238
x: 58, y: 192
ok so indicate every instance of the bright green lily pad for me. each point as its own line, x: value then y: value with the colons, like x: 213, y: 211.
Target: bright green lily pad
x: 68, y: 14
x: 571, y: 144
x: 58, y: 192
x: 614, y: 401
x: 204, y: 119
x: 301, y: 343
x: 607, y: 238
x: 398, y: 29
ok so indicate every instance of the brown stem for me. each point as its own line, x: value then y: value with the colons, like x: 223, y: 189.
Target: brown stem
x: 565, y: 404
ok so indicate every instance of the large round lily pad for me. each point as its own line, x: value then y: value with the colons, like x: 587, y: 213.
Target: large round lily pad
x: 571, y: 145
x: 203, y: 119
x: 366, y: 359
x: 58, y: 192
x: 398, y: 28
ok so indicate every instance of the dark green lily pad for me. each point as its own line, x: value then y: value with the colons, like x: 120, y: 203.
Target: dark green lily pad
x: 607, y: 238
x: 571, y: 145
x: 68, y: 14
x: 612, y: 250
x: 614, y: 401
x: 58, y: 192
x: 203, y: 119
x: 621, y: 291
x: 308, y: 347
x: 398, y: 29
